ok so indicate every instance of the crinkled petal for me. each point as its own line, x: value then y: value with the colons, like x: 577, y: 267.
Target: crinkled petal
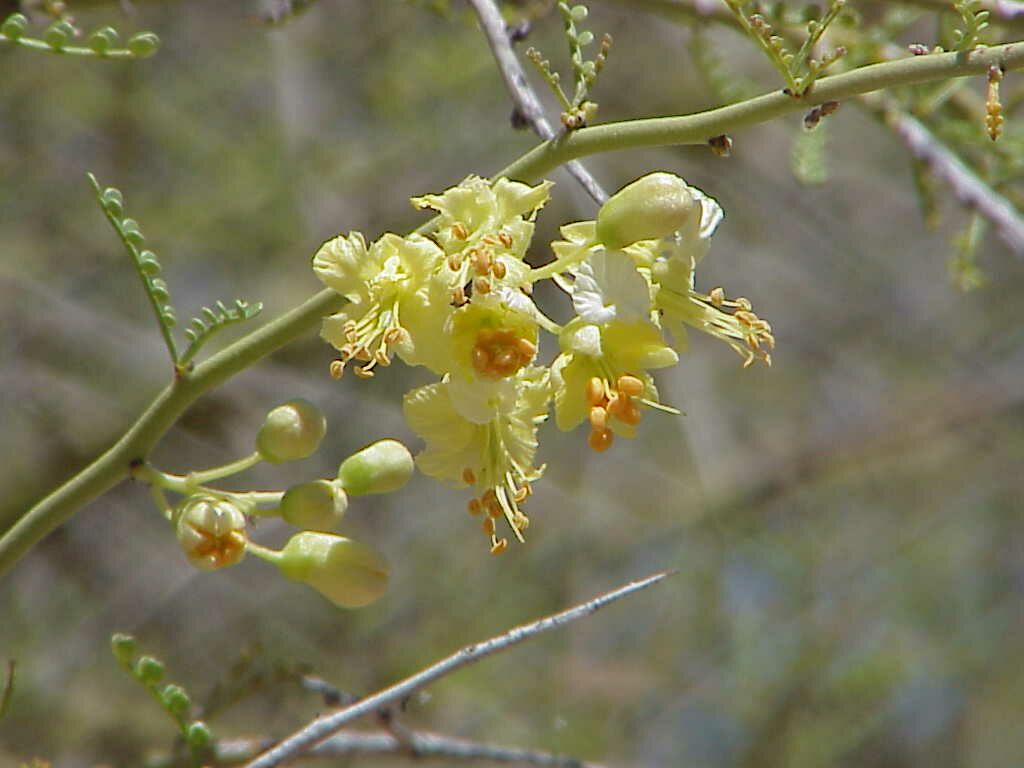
x: 452, y: 442
x: 340, y: 264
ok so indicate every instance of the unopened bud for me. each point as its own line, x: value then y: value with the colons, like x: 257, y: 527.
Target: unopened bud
x: 346, y: 572
x: 176, y: 701
x: 651, y: 207
x: 149, y: 670
x: 315, y: 506
x: 291, y: 432
x: 198, y: 735
x: 382, y: 467
x: 211, y: 531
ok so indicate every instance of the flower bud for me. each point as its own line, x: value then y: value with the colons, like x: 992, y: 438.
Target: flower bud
x: 198, y: 735
x: 382, y: 467
x: 346, y: 572
x: 14, y: 26
x: 291, y: 431
x: 315, y: 506
x: 651, y: 207
x: 211, y: 531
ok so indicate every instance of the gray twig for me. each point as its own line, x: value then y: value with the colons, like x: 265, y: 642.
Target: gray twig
x: 420, y: 744
x: 327, y: 725
x: 523, y: 96
x: 970, y: 190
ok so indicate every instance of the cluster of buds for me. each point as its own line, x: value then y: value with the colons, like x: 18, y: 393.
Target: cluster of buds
x: 212, y: 525
x: 459, y: 302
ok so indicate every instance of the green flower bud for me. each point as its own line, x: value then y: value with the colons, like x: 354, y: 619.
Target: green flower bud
x: 132, y: 233
x: 651, y: 207
x: 148, y: 264
x: 176, y: 700
x: 123, y: 647
x: 14, y: 26
x: 149, y: 670
x: 382, y: 467
x: 315, y: 506
x: 291, y: 431
x: 346, y: 572
x: 144, y: 44
x: 198, y: 735
x: 211, y: 531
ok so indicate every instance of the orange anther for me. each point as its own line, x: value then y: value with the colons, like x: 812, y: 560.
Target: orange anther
x: 630, y: 386
x: 598, y: 417
x: 595, y: 391
x: 498, y: 269
x: 488, y: 525
x: 337, y: 369
x: 459, y: 231
x: 499, y: 546
x: 505, y: 238
x: 468, y: 477
x: 474, y: 507
x: 630, y: 414
x: 600, y: 440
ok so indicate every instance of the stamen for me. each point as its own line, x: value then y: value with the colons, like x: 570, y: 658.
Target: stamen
x: 598, y: 417
x: 459, y: 231
x: 717, y: 296
x: 468, y: 476
x: 505, y: 239
x: 499, y: 546
x: 482, y: 285
x: 498, y: 269
x: 630, y: 386
x: 488, y: 525
x: 455, y: 262
x: 474, y: 508
x: 520, y: 494
x: 364, y: 372
x: 381, y: 358
x: 630, y: 413
x: 458, y: 296
x: 600, y: 440
x: 337, y: 369
x: 595, y: 391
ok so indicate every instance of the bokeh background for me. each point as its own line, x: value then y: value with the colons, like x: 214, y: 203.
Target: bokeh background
x: 848, y: 526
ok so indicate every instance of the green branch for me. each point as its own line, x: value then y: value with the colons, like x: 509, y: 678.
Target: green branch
x: 698, y: 128
x: 114, y: 465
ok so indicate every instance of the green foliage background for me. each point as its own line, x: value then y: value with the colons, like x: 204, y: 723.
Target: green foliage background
x: 847, y: 525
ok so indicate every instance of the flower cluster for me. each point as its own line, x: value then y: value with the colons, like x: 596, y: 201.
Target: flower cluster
x: 460, y: 303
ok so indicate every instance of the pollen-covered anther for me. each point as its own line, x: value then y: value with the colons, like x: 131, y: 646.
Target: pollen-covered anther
x: 600, y: 440
x: 458, y: 296
x: 480, y: 261
x: 459, y: 231
x: 455, y: 262
x: 474, y: 507
x: 505, y: 239
x: 498, y: 545
x: 488, y: 525
x: 630, y: 386
x: 521, y: 494
x: 499, y: 270
x: 363, y: 372
x: 468, y: 476
x: 717, y: 296
x: 629, y: 413
x: 595, y: 393
x: 598, y: 417
x: 396, y: 336
x: 336, y: 369
x: 499, y: 353
x: 482, y: 285
x: 381, y: 358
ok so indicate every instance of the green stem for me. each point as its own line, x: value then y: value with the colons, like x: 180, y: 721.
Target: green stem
x: 225, y: 470
x: 698, y: 128
x: 115, y: 464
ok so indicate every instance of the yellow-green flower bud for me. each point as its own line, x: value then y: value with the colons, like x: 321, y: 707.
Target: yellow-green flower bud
x: 211, y: 531
x: 382, y: 467
x: 123, y: 647
x: 149, y: 670
x: 652, y: 207
x: 315, y: 506
x: 291, y: 432
x: 346, y: 572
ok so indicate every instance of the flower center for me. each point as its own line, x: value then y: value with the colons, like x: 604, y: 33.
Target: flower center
x: 499, y: 353
x: 612, y: 401
x: 367, y: 341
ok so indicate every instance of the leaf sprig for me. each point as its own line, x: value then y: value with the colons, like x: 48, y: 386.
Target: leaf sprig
x: 578, y: 110
x: 799, y: 69
x: 56, y: 38
x: 975, y: 20
x: 201, y: 329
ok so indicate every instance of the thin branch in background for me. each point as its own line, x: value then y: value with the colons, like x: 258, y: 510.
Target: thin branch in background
x: 418, y: 744
x: 8, y: 691
x: 327, y: 725
x: 527, y: 105
x: 970, y: 190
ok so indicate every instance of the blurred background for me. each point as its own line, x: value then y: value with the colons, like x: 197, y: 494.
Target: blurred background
x: 848, y: 526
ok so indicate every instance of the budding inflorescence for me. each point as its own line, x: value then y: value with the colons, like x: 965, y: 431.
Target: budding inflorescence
x: 460, y: 302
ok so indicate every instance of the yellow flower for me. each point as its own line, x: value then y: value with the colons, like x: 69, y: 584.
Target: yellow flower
x: 496, y: 455
x: 397, y: 304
